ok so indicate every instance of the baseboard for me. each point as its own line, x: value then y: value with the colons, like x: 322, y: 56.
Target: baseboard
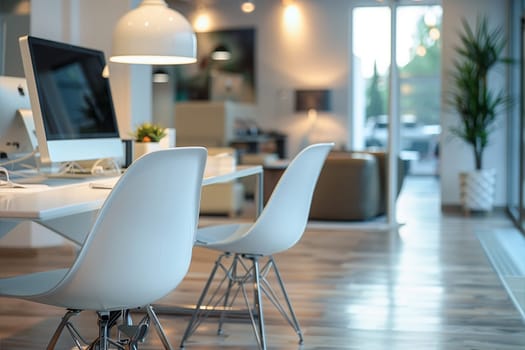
x: 458, y: 209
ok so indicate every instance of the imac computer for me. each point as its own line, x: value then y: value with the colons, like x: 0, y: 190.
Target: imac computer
x: 16, y: 132
x: 71, y: 101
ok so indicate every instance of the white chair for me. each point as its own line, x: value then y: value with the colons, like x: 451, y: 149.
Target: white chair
x: 137, y: 251
x: 280, y: 225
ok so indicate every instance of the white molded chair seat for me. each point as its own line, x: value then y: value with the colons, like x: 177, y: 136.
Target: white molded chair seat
x: 148, y: 222
x: 280, y: 226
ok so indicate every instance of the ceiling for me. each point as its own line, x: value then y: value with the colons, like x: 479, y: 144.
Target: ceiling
x: 189, y: 4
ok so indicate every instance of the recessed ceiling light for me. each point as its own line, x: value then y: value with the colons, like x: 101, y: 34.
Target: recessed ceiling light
x: 247, y: 6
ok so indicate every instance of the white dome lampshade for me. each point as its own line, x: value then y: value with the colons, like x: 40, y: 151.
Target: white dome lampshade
x: 153, y: 33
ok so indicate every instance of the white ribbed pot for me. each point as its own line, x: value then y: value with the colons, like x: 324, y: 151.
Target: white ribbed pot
x: 141, y: 148
x: 477, y: 189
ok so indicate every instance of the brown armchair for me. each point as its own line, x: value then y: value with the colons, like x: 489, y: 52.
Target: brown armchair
x: 352, y: 186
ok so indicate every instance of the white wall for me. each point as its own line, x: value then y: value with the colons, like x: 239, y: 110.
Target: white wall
x: 456, y: 156
x: 12, y: 26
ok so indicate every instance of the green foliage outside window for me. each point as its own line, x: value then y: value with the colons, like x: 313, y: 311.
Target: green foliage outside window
x: 419, y: 81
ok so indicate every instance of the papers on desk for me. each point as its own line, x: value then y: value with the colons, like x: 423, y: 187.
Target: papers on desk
x: 220, y: 163
x: 106, y: 184
x: 23, y: 188
x: 102, y: 185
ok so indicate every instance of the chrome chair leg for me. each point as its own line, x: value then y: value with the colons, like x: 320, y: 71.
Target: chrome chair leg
x: 244, y: 270
x: 194, y: 322
x: 295, y: 323
x: 231, y: 282
x: 158, y: 327
x: 106, y: 321
x: 258, y: 300
x: 79, y: 341
x: 64, y: 323
x: 103, y: 325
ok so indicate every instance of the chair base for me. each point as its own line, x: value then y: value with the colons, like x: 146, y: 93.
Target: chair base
x: 127, y: 334
x: 220, y: 294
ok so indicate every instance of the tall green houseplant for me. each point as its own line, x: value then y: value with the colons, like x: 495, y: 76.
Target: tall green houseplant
x: 477, y: 104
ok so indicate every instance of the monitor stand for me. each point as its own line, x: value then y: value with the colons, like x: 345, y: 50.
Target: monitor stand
x: 83, y: 169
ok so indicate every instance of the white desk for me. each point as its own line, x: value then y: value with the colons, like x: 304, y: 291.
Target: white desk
x: 69, y: 209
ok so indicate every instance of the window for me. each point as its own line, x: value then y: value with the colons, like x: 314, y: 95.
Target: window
x: 418, y: 56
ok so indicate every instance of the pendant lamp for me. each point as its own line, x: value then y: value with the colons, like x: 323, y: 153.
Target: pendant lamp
x: 154, y: 34
x: 221, y: 53
x: 160, y: 76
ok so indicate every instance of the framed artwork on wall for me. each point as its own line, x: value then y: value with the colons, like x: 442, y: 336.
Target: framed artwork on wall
x: 225, y: 68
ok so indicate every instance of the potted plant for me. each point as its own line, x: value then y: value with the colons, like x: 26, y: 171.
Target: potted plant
x: 478, y: 105
x: 147, y: 137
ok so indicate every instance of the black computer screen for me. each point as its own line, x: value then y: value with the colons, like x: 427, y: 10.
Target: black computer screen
x: 75, y: 97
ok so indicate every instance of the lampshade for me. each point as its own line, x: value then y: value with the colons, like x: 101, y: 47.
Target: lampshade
x: 153, y: 33
x: 221, y: 53
x: 319, y: 100
x: 160, y: 76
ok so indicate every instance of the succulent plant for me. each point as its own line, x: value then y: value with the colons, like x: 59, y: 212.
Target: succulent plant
x: 147, y: 132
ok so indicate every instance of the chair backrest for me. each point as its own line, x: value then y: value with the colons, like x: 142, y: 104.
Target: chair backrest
x: 139, y: 248
x: 284, y: 218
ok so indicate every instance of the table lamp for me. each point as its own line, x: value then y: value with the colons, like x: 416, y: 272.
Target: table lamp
x: 153, y: 34
x: 312, y: 101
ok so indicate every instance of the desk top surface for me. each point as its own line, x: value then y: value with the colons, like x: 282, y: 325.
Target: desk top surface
x: 65, y: 197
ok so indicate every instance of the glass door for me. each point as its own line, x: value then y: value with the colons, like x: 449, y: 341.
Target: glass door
x: 418, y: 56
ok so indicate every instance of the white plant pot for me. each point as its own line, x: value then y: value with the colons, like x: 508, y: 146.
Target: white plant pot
x: 477, y: 189
x: 141, y: 148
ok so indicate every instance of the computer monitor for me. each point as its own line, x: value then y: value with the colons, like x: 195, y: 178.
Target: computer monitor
x: 71, y: 101
x: 14, y: 105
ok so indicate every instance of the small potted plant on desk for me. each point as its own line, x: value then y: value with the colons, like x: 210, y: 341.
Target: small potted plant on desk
x: 478, y: 106
x: 147, y: 137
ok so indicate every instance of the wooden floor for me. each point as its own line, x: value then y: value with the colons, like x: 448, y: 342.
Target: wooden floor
x: 426, y: 285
